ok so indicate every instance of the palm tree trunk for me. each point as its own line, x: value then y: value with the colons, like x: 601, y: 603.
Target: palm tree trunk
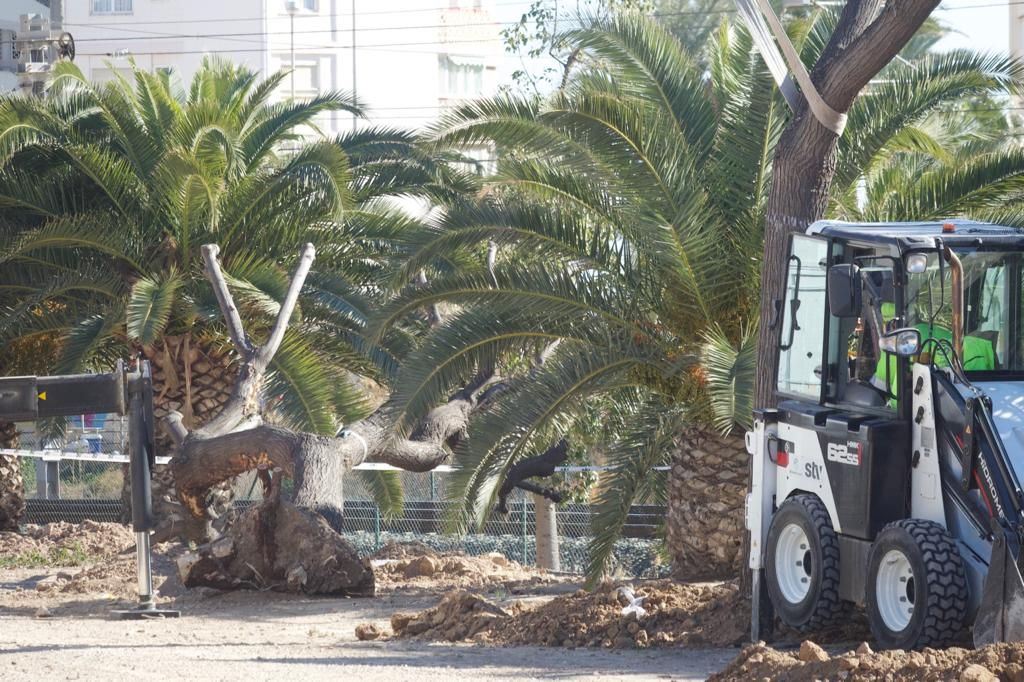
x: 704, y: 520
x: 193, y: 377
x: 12, y: 483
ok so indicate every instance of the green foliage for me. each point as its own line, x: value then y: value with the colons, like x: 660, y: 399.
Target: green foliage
x: 108, y: 192
x: 72, y: 554
x: 150, y: 305
x: 385, y: 487
x: 646, y: 444
x: 626, y: 213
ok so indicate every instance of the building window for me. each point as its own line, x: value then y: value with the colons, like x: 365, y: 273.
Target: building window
x: 36, y: 55
x: 37, y: 88
x: 307, y: 77
x: 111, y: 6
x: 311, y: 5
x: 461, y: 76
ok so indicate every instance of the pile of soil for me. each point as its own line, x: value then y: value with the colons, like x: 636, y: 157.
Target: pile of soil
x: 403, y: 550
x: 693, y: 615
x: 85, y: 560
x: 676, y: 614
x: 411, y: 566
x: 459, y: 616
x: 91, y: 538
x: 811, y: 662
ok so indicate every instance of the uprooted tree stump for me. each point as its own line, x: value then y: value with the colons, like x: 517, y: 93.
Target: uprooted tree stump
x: 292, y: 544
x: 276, y: 545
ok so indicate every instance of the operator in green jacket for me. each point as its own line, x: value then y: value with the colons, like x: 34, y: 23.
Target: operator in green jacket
x: 979, y: 355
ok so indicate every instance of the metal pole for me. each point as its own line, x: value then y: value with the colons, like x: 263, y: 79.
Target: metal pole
x: 145, y: 571
x: 376, y: 527
x: 140, y: 443
x: 354, y: 84
x: 523, y: 529
x: 291, y: 21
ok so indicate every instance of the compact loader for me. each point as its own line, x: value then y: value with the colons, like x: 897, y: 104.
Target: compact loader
x: 889, y: 474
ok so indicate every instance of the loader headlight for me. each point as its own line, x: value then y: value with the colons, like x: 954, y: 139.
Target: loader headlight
x: 917, y: 263
x: 903, y: 342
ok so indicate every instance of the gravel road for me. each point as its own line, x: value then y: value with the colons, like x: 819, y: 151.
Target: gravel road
x: 247, y: 636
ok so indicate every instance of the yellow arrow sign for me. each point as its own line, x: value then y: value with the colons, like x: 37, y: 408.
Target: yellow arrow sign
x: 42, y: 396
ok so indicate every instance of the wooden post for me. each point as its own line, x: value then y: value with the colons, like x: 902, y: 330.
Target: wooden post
x: 546, y: 533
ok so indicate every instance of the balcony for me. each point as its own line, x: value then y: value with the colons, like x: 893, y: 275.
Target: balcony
x: 34, y: 67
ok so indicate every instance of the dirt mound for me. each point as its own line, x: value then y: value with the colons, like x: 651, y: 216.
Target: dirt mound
x: 448, y: 571
x: 811, y: 662
x: 69, y: 542
x: 404, y: 550
x: 672, y: 614
x: 459, y: 616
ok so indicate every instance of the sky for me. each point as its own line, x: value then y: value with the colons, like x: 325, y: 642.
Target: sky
x: 981, y: 24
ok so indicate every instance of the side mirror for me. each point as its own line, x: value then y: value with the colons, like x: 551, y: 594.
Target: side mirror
x: 903, y: 342
x: 844, y: 290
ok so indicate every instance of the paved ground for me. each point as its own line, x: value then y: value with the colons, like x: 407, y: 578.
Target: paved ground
x: 254, y: 637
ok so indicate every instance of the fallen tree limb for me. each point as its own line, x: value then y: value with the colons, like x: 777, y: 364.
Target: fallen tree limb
x: 542, y: 465
x: 253, y: 550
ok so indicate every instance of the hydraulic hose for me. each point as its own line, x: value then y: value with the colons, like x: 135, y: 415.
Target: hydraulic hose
x: 956, y: 275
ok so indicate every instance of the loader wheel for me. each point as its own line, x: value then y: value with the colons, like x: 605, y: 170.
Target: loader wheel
x: 803, y: 564
x: 916, y: 587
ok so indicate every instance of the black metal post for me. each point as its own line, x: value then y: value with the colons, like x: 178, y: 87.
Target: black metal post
x: 141, y: 458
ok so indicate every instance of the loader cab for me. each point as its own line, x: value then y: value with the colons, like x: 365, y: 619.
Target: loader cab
x: 829, y: 345
x: 850, y: 288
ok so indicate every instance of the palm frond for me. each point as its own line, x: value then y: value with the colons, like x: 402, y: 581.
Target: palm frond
x: 150, y: 304
x: 630, y: 478
x: 385, y: 487
x: 730, y: 370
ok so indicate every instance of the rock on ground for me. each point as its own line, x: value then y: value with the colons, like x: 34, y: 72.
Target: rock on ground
x: 988, y: 664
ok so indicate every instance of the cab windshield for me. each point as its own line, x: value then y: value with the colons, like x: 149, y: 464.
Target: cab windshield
x: 992, y: 302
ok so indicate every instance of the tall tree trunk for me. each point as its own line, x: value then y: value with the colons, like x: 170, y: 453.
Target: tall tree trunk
x: 12, y: 483
x: 191, y: 376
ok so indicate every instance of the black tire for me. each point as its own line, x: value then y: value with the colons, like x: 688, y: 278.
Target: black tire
x: 821, y: 605
x: 936, y: 594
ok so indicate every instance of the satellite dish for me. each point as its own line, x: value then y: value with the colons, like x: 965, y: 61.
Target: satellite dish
x: 66, y: 46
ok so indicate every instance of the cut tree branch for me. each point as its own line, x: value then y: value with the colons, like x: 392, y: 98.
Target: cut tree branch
x: 266, y: 353
x: 243, y: 409
x: 542, y: 465
x: 224, y: 300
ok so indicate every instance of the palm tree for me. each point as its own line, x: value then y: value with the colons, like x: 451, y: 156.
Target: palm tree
x: 625, y: 220
x: 108, y: 192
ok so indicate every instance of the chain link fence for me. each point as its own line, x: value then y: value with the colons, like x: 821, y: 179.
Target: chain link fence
x: 80, y: 476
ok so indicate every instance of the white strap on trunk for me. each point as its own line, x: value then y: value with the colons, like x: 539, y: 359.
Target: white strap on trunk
x: 755, y: 13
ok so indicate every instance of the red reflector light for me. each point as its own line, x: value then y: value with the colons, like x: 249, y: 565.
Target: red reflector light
x: 948, y: 227
x: 782, y: 459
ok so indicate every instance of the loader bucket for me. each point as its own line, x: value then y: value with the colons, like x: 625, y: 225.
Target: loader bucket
x: 1001, y: 613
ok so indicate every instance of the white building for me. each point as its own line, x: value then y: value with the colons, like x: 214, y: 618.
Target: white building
x: 411, y: 59
x: 11, y: 12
